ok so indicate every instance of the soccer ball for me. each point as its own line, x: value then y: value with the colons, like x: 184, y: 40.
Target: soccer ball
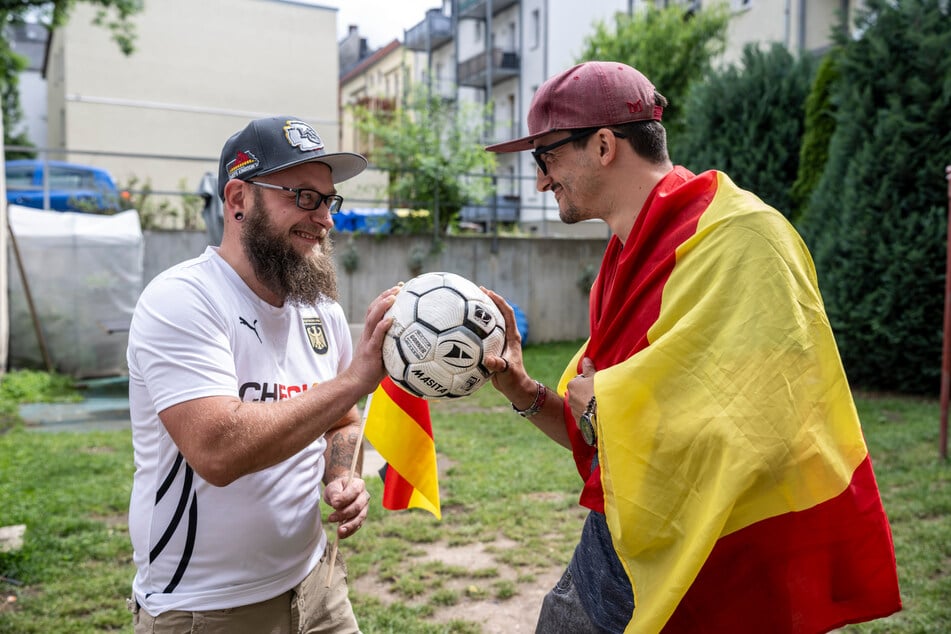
x: 443, y: 327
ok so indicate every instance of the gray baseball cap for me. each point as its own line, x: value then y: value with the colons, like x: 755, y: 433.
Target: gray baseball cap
x: 277, y: 143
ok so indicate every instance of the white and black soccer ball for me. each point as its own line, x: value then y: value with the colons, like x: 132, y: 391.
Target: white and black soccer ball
x: 443, y: 328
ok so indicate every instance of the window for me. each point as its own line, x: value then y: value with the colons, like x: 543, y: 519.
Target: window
x: 65, y: 178
x: 20, y: 177
x: 478, y: 32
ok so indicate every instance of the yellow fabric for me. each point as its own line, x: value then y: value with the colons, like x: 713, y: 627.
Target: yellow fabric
x: 406, y: 447
x: 737, y: 411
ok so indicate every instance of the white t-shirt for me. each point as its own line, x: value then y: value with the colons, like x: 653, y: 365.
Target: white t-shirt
x: 198, y: 331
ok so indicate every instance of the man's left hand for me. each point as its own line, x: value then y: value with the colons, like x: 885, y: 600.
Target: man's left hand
x: 350, y: 503
x: 581, y: 388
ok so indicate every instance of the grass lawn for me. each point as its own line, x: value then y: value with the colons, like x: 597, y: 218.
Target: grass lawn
x: 505, y: 489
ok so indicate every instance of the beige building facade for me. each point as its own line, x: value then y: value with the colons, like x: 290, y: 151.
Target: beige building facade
x: 799, y: 25
x: 200, y: 72
x: 379, y: 83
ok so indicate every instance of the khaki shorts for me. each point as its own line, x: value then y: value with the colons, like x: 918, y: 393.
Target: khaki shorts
x: 310, y: 608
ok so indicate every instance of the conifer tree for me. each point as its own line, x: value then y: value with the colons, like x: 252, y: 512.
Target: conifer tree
x: 818, y: 130
x: 876, y: 222
x: 747, y: 121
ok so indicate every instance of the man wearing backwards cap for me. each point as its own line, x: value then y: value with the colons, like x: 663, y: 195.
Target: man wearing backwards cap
x: 243, y: 384
x: 708, y: 414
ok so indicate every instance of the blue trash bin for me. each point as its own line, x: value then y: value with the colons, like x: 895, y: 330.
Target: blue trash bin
x: 521, y: 322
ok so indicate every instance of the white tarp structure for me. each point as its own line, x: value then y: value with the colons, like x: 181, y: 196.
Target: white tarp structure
x: 84, y: 275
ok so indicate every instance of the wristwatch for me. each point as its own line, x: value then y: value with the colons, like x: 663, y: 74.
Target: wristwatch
x: 588, y: 422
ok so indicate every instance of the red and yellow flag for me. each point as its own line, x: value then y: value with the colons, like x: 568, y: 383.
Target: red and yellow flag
x: 398, y: 426
x: 737, y: 485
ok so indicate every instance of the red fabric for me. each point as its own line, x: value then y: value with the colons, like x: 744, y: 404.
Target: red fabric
x: 804, y: 572
x: 669, y: 217
x: 397, y: 491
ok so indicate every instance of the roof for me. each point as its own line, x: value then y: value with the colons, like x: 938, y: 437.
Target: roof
x: 369, y: 61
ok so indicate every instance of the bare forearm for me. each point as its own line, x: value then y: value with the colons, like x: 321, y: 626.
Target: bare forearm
x: 342, y: 444
x: 223, y: 438
x: 550, y: 418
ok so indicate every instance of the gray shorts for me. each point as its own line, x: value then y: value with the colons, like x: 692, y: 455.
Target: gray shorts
x: 310, y: 607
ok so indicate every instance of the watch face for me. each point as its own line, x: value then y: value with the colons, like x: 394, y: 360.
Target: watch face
x: 587, y: 429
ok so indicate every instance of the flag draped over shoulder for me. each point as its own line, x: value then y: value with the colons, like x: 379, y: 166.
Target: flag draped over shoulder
x: 737, y: 485
x: 398, y: 426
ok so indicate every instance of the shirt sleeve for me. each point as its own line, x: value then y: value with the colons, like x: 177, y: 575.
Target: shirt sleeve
x: 179, y: 344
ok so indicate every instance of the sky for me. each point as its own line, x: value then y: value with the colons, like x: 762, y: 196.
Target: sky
x: 380, y: 21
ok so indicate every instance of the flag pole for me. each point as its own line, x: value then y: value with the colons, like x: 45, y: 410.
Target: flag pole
x: 946, y: 356
x: 358, y: 448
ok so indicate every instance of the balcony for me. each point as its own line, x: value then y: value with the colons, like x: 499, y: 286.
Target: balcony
x: 473, y: 71
x: 480, y: 8
x: 434, y: 31
x: 506, y: 210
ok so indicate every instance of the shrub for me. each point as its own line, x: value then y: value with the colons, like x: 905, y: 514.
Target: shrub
x: 747, y: 121
x: 876, y: 222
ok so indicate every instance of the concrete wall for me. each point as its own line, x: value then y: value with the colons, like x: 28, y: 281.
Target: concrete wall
x: 540, y: 275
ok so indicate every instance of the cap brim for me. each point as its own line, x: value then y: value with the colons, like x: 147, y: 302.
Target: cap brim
x: 518, y: 145
x: 343, y: 165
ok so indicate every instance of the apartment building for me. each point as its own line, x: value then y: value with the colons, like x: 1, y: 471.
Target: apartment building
x: 378, y: 82
x: 200, y: 72
x: 500, y: 51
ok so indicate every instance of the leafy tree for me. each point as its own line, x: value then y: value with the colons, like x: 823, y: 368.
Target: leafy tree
x: 877, y: 222
x: 432, y: 150
x: 673, y: 47
x: 747, y: 121
x: 10, y: 100
x: 114, y: 15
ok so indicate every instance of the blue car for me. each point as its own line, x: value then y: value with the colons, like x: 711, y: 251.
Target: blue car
x: 72, y: 187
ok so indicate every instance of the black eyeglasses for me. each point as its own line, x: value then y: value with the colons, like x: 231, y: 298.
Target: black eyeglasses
x: 538, y: 152
x: 308, y: 199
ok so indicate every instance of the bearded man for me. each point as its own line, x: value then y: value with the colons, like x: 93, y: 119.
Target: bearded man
x: 243, y: 384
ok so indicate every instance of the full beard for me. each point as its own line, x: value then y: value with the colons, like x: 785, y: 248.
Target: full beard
x: 299, y: 279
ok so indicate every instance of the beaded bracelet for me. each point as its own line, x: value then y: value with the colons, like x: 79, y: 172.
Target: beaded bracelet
x: 540, y: 395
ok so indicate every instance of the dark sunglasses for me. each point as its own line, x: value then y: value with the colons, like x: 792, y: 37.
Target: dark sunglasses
x: 538, y: 152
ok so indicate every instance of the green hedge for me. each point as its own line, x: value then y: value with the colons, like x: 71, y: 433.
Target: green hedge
x: 747, y: 120
x: 877, y: 221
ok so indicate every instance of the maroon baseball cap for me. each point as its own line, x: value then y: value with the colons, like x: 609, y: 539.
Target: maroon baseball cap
x: 589, y: 95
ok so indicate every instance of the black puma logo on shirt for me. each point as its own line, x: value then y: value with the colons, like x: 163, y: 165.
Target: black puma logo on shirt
x: 244, y: 322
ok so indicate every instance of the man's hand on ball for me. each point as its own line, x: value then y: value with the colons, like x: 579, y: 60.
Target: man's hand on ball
x: 367, y: 364
x: 510, y: 361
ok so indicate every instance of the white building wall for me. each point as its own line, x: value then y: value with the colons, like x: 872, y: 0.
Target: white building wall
x: 200, y: 72
x: 33, y: 102
x: 552, y: 37
x: 444, y: 69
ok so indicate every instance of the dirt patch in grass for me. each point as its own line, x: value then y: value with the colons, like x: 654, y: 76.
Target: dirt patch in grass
x: 505, y: 602
x: 8, y: 601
